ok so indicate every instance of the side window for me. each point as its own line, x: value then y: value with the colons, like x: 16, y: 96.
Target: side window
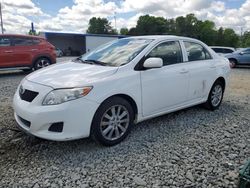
x: 20, y: 41
x: 169, y: 52
x: 36, y: 41
x: 196, y: 52
x: 227, y: 51
x: 218, y: 50
x: 5, y: 41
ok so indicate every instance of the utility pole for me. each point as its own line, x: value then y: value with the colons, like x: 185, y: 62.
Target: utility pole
x: 115, y: 19
x: 1, y: 17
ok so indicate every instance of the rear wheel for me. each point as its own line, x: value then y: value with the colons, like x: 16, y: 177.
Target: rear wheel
x: 215, y: 96
x: 112, y: 121
x: 232, y: 63
x: 41, y: 63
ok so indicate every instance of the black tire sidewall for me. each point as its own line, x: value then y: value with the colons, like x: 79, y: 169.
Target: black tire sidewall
x: 39, y: 59
x: 95, y: 127
x: 233, y: 63
x: 209, y: 101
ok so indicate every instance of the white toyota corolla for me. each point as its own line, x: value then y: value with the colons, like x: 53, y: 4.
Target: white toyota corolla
x: 103, y: 93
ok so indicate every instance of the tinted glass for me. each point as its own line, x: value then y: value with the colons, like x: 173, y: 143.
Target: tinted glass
x: 227, y: 51
x: 196, y: 52
x: 118, y: 52
x: 5, y: 41
x: 169, y: 52
x: 36, y: 41
x: 22, y: 41
x: 218, y: 50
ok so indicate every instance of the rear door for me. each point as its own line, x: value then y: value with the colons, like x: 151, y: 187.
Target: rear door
x: 6, y: 52
x: 24, y: 50
x: 202, y: 69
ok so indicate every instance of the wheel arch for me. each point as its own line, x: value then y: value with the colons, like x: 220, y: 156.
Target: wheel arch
x: 222, y: 80
x: 127, y: 98
x: 234, y: 59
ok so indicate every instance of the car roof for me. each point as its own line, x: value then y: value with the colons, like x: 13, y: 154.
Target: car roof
x: 164, y: 37
x: 19, y: 35
x: 222, y: 47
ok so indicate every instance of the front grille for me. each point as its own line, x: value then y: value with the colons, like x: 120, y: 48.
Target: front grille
x: 24, y: 121
x: 28, y: 95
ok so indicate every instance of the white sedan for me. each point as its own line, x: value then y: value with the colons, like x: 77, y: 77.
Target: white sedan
x: 104, y: 92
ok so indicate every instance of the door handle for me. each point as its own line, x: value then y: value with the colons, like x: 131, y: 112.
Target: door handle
x: 8, y: 51
x: 184, y: 71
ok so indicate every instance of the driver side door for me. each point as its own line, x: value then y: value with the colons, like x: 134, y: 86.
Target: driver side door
x: 164, y: 88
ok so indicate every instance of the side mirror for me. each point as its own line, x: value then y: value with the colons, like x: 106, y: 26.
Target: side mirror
x: 153, y: 62
x: 242, y: 53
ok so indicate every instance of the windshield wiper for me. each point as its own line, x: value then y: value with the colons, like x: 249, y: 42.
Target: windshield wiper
x: 96, y: 62
x: 81, y: 60
x: 90, y: 61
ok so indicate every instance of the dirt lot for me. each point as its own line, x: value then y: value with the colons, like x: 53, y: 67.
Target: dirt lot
x: 189, y: 148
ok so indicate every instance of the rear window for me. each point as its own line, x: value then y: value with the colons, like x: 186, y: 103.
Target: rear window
x: 36, y: 41
x: 196, y: 51
x: 22, y: 41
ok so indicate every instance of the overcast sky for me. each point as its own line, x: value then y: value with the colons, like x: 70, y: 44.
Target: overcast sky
x: 73, y: 15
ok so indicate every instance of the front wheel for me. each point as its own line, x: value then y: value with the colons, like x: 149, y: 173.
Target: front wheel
x: 41, y: 63
x: 215, y: 96
x: 112, y: 121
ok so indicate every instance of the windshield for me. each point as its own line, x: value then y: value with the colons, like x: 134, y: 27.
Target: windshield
x: 116, y: 53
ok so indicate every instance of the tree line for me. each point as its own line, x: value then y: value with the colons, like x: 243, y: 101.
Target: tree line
x: 188, y: 26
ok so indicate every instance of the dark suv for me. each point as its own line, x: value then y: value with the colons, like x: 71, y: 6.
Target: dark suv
x: 25, y: 52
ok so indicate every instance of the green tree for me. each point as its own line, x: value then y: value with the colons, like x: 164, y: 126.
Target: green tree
x: 220, y: 37
x: 230, y: 38
x: 207, y: 32
x: 150, y: 25
x: 124, y: 31
x: 133, y: 32
x: 188, y: 26
x: 245, y: 39
x: 100, y: 26
x: 34, y: 33
x: 170, y: 26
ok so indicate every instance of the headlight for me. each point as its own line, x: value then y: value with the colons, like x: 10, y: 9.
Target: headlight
x: 59, y: 96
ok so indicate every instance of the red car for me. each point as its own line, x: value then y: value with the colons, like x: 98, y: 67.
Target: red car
x: 25, y: 52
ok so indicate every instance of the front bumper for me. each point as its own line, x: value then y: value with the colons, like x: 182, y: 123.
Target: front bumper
x: 36, y: 119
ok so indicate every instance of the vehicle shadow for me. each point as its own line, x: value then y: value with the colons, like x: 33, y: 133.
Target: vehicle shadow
x: 242, y: 67
x: 7, y: 73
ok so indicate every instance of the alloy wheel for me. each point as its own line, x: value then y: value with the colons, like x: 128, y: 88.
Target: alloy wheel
x: 216, y: 96
x: 42, y: 63
x: 115, y: 122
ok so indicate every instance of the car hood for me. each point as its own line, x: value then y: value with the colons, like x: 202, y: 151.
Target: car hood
x: 70, y: 74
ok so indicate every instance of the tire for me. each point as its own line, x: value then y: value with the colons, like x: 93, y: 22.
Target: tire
x: 232, y: 63
x: 215, y: 96
x: 41, y: 63
x: 107, y: 127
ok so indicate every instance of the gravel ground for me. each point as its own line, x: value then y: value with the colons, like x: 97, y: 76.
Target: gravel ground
x: 189, y: 148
